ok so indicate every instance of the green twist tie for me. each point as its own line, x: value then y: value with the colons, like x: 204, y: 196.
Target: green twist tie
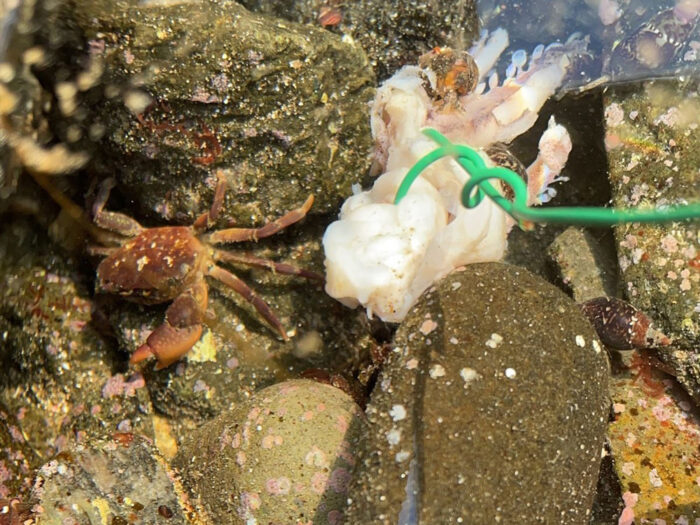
x: 479, y: 186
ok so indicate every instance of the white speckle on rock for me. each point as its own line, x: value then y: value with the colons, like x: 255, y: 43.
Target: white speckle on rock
x: 402, y: 456
x: 397, y: 412
x: 580, y: 341
x: 494, y: 341
x: 428, y: 326
x: 393, y: 437
x: 654, y: 478
x: 614, y: 115
x: 454, y: 340
x: 437, y: 371
x: 510, y: 373
x: 469, y: 375
x: 596, y: 346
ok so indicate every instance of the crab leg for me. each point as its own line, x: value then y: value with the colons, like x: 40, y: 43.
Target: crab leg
x: 251, y: 260
x: 103, y: 251
x: 253, y: 234
x: 110, y: 220
x: 208, y: 218
x: 180, y: 331
x: 168, y: 344
x: 249, y: 295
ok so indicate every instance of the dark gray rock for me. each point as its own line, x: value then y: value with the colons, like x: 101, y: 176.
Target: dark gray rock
x: 393, y: 33
x: 492, y: 407
x: 286, y: 455
x: 194, y: 87
x: 586, y: 264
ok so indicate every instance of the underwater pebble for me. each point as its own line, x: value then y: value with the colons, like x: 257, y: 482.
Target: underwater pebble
x: 286, y: 455
x: 486, y: 444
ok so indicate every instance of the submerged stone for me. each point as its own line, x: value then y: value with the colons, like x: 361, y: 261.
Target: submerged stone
x: 392, y: 33
x: 287, y: 455
x: 190, y: 88
x: 117, y: 481
x: 653, y: 146
x: 58, y: 373
x: 492, y: 407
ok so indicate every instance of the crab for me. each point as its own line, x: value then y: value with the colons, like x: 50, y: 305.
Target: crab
x: 171, y: 263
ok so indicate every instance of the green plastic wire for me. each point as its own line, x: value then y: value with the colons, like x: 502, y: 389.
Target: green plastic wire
x: 479, y: 187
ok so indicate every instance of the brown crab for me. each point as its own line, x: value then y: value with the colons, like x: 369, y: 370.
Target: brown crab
x: 170, y: 263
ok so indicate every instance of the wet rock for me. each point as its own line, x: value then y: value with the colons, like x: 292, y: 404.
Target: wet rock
x: 653, y: 149
x: 17, y: 459
x: 59, y: 376
x: 492, y: 407
x: 654, y: 443
x: 118, y: 481
x: 285, y: 456
x: 24, y: 129
x: 393, y: 33
x: 586, y: 266
x: 279, y: 107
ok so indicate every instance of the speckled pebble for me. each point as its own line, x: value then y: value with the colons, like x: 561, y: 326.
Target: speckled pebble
x: 505, y: 425
x: 287, y: 455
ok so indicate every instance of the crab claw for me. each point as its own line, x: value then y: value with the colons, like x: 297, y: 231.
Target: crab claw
x: 168, y: 344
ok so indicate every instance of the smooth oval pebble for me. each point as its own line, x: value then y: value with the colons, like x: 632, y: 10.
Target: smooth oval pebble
x: 286, y: 455
x: 492, y: 408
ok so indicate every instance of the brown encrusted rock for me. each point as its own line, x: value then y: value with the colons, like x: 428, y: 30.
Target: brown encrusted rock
x: 17, y: 459
x: 58, y: 376
x: 492, y: 407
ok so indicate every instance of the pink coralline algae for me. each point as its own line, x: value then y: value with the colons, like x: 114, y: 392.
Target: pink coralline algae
x: 116, y: 386
x: 339, y: 480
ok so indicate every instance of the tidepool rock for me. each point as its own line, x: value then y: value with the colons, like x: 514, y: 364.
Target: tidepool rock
x: 194, y: 87
x: 285, y: 456
x: 393, y: 32
x: 60, y: 378
x: 654, y: 444
x: 117, y: 481
x: 492, y: 407
x: 17, y: 459
x: 659, y: 263
x: 586, y: 265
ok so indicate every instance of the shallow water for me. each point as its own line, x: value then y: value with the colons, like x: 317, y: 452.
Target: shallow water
x: 630, y: 40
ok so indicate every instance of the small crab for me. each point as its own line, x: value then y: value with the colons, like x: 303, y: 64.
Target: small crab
x: 170, y: 263
x: 456, y: 74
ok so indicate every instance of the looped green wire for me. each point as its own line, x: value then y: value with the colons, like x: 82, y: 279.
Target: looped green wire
x: 479, y: 187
